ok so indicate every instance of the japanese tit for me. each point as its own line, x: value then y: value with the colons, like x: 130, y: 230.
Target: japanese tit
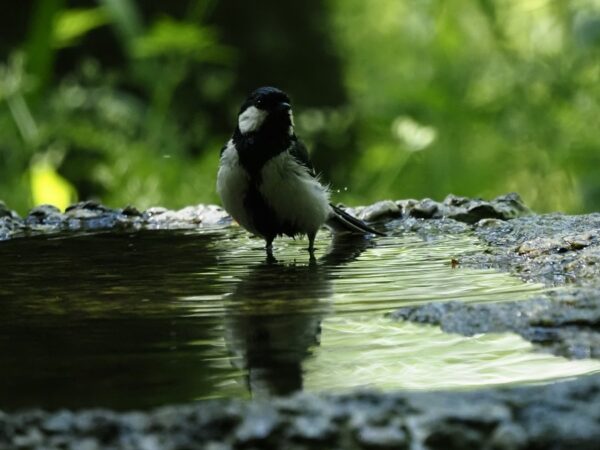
x: 266, y: 180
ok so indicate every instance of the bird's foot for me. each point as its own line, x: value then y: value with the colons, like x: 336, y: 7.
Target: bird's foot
x: 311, y: 254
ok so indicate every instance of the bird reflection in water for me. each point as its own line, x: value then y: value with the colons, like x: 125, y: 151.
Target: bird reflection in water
x: 275, y: 313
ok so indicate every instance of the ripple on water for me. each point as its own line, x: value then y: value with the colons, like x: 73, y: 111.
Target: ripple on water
x: 159, y: 317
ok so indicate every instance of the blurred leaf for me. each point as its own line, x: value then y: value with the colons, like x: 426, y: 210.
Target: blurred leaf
x: 586, y: 28
x: 495, y: 90
x: 168, y: 37
x: 14, y: 84
x: 39, y: 51
x: 23, y: 118
x: 126, y: 19
x: 12, y: 77
x: 72, y: 24
x: 48, y: 187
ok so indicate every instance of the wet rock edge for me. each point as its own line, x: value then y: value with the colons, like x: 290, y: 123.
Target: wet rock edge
x: 560, y: 251
x: 563, y: 415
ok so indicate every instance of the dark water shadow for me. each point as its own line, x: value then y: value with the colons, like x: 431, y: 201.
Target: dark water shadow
x: 134, y: 320
x: 93, y: 320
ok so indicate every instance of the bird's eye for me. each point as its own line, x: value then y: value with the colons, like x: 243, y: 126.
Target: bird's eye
x: 259, y: 102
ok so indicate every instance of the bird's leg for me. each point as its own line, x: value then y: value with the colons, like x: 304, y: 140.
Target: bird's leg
x: 269, y: 243
x: 269, y: 249
x: 311, y: 243
x: 270, y: 258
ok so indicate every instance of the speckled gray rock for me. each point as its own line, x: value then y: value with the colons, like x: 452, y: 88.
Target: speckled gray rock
x: 44, y: 215
x: 391, y: 436
x: 92, y: 216
x: 188, y: 217
x: 386, y: 209
x: 560, y: 416
x: 566, y: 323
x: 504, y: 207
x: 461, y: 209
x: 6, y: 212
x: 553, y: 249
x: 464, y: 209
x: 428, y: 228
x: 10, y: 222
x: 9, y: 227
x: 410, y: 215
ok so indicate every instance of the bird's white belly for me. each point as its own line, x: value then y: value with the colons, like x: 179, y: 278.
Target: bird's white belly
x: 232, y: 186
x: 296, y: 197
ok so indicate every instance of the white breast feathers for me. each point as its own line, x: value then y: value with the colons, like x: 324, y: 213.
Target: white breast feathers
x: 295, y: 196
x: 232, y: 185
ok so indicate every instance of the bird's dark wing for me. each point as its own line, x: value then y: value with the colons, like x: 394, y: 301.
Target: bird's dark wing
x: 298, y: 151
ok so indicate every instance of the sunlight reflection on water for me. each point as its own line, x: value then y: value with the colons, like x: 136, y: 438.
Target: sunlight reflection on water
x: 159, y: 317
x: 360, y: 348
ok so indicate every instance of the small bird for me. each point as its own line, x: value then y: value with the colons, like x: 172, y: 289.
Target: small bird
x: 266, y: 180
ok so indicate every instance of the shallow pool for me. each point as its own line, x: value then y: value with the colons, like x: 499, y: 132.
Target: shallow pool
x: 135, y: 320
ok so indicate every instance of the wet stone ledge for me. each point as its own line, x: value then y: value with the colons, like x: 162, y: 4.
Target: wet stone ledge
x: 557, y: 250
x: 92, y: 216
x: 565, y: 323
x: 560, y: 416
x: 554, y: 249
x: 460, y: 209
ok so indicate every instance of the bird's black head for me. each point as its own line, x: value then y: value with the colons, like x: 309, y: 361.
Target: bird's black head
x: 268, y: 110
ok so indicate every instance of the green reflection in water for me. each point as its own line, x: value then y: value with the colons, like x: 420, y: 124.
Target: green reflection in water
x: 409, y: 356
x: 136, y: 320
x: 358, y: 347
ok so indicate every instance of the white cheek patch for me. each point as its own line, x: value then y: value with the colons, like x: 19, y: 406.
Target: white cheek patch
x: 251, y: 119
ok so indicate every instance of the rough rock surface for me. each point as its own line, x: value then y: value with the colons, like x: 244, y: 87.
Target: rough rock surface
x: 554, y: 249
x: 10, y: 222
x: 92, y: 216
x: 565, y: 322
x: 560, y: 416
x: 461, y: 209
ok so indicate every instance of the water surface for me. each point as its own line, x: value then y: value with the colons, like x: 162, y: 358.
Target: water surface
x: 148, y: 318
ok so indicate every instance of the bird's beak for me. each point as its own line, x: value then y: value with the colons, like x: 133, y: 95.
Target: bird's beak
x: 284, y: 106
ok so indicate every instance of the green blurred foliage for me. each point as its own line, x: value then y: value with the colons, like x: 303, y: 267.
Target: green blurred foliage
x: 475, y: 97
x: 130, y: 102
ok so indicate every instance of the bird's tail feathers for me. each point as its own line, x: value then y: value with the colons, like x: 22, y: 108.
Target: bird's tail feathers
x: 340, y: 220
